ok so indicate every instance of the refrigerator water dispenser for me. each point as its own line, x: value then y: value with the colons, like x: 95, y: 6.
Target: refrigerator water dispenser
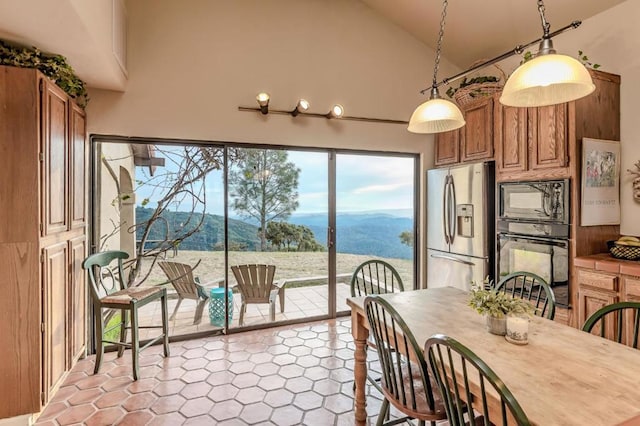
x: 464, y: 220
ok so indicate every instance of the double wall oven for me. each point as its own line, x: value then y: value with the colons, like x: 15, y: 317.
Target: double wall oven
x: 533, y: 232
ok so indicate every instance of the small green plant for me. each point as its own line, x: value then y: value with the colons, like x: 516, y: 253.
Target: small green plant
x: 585, y: 60
x: 527, y: 56
x: 496, y: 304
x: 53, y: 66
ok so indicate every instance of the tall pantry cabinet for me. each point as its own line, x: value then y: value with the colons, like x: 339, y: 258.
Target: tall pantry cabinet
x: 43, y: 212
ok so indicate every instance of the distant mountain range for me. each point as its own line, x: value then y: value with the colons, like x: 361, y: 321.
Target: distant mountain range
x: 371, y: 233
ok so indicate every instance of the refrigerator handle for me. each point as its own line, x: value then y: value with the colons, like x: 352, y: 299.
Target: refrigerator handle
x: 452, y: 210
x: 445, y: 209
x: 454, y: 259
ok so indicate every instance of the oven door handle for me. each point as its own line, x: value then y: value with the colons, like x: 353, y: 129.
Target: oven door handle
x: 453, y: 259
x: 534, y: 239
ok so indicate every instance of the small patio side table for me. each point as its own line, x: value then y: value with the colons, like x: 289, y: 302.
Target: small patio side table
x: 216, y: 306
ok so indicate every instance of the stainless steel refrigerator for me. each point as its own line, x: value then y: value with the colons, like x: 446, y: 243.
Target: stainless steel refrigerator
x: 460, y: 225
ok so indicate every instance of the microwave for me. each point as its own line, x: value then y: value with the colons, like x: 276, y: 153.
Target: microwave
x: 534, y: 201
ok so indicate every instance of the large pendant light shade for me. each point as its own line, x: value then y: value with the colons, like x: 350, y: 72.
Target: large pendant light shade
x: 548, y: 79
x: 435, y: 116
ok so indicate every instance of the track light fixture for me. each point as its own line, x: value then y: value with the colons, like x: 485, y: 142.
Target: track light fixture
x: 547, y: 79
x: 302, y: 106
x: 263, y: 101
x: 302, y: 109
x: 337, y: 111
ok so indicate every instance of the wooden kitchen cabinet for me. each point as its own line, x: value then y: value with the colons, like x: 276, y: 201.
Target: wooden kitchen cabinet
x: 546, y: 142
x: 603, y: 280
x: 447, y: 148
x: 473, y: 142
x: 43, y: 185
x: 476, y: 137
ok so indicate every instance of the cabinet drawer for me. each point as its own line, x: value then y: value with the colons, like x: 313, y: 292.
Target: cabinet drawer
x: 597, y: 280
x: 631, y: 286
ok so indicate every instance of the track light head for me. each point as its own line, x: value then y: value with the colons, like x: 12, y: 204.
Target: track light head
x: 263, y: 101
x: 302, y: 106
x: 337, y: 111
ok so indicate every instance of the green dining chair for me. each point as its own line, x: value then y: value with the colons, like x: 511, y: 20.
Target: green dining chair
x: 454, y: 366
x: 109, y: 292
x: 616, y: 314
x: 405, y: 382
x: 532, y: 288
x: 374, y: 277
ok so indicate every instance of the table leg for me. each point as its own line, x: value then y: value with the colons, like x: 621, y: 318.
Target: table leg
x: 360, y: 334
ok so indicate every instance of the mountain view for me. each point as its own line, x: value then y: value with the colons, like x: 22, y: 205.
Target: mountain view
x: 373, y: 233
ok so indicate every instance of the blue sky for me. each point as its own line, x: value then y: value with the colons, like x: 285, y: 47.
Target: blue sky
x: 364, y: 183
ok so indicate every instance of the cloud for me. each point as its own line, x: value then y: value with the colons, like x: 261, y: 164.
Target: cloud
x: 381, y: 188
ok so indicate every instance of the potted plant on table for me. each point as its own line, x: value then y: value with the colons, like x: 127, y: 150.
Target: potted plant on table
x: 495, y: 306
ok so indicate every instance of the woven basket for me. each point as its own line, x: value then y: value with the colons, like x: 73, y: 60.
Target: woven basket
x: 468, y: 94
x: 623, y: 252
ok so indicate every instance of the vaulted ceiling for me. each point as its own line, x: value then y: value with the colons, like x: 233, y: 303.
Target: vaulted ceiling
x: 475, y: 29
x: 482, y: 29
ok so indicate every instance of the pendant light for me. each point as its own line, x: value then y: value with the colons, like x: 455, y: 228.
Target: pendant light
x: 437, y: 114
x: 547, y: 79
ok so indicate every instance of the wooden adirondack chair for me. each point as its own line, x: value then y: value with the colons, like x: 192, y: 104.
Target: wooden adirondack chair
x: 256, y: 285
x: 188, y: 287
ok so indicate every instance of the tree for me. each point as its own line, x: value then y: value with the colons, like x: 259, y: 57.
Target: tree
x: 180, y: 182
x: 406, y: 237
x: 264, y: 187
x: 281, y: 234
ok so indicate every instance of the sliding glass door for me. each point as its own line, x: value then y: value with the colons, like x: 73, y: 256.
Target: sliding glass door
x: 194, y: 218
x: 375, y: 216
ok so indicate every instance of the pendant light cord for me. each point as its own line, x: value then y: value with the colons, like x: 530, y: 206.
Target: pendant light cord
x: 545, y: 25
x: 439, y: 45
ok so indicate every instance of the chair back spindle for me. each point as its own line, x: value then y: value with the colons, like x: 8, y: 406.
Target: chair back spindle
x: 375, y: 277
x: 532, y: 288
x: 405, y: 379
x: 453, y: 364
x: 619, y: 322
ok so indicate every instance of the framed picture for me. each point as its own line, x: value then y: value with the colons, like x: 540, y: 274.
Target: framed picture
x: 600, y: 203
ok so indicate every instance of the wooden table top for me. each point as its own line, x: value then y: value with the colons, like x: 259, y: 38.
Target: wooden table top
x: 564, y: 376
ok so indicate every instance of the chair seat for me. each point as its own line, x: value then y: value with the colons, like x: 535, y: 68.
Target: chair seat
x: 124, y: 297
x: 422, y: 410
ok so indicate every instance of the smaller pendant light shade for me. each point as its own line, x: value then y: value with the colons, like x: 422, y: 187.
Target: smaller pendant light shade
x: 547, y: 79
x: 435, y: 116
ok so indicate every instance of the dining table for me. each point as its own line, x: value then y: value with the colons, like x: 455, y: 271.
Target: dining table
x: 563, y: 376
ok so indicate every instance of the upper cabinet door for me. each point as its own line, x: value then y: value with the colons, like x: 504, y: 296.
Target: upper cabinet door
x: 54, y: 157
x: 511, y: 138
x: 77, y: 160
x: 548, y: 136
x: 476, y: 137
x: 447, y: 148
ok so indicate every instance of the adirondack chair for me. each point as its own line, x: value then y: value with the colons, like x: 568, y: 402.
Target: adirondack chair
x: 256, y: 285
x: 188, y: 287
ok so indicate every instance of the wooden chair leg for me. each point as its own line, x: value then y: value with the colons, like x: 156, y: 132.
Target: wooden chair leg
x: 175, y: 310
x: 165, y: 323
x: 281, y: 295
x: 97, y: 310
x: 197, y: 316
x: 124, y: 321
x: 243, y: 309
x: 135, y: 343
x: 272, y: 310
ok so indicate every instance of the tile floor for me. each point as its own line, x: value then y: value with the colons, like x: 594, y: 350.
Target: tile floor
x: 292, y: 375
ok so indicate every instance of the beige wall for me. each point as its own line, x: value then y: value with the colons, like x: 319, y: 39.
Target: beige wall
x: 111, y: 231
x: 192, y: 63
